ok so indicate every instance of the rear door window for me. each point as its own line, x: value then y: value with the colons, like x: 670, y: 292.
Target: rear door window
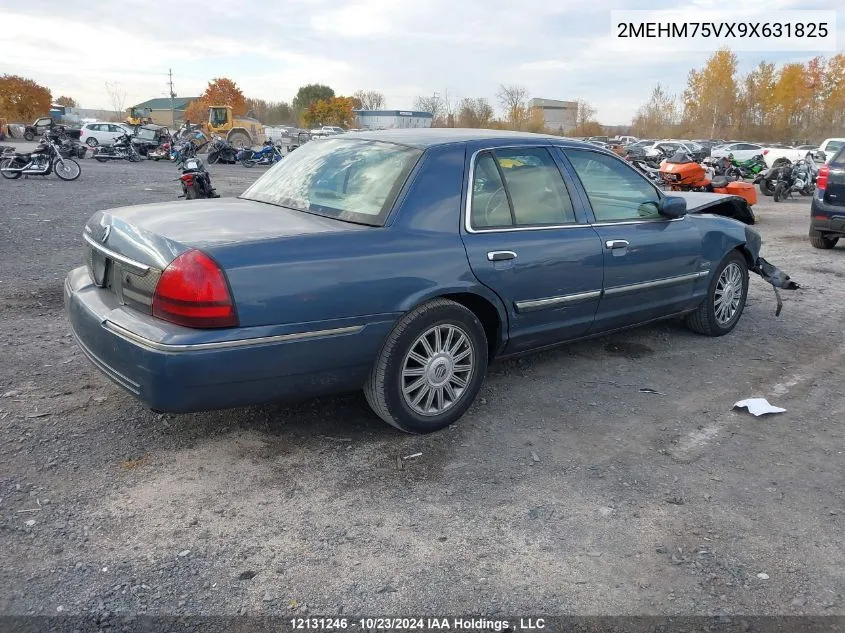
x: 519, y: 187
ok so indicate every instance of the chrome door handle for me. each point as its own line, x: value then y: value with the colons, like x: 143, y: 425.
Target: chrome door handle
x: 500, y: 256
x: 611, y: 244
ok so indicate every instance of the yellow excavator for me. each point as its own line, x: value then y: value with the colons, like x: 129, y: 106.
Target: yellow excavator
x: 138, y: 116
x: 239, y: 131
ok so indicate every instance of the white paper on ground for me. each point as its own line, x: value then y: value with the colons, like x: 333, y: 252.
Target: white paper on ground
x: 758, y: 406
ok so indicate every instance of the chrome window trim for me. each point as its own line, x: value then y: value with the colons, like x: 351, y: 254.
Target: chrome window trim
x: 467, y: 211
x: 550, y: 302
x: 132, y: 337
x: 142, y: 269
x: 656, y: 283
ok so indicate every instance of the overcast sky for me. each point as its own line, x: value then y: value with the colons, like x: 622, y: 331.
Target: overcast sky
x: 557, y: 49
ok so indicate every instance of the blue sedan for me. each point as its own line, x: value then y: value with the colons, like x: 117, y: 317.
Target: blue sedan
x: 401, y: 262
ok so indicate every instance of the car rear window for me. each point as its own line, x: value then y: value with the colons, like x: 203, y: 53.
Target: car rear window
x: 353, y: 180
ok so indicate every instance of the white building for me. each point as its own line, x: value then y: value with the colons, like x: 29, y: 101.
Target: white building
x: 559, y: 116
x: 390, y: 119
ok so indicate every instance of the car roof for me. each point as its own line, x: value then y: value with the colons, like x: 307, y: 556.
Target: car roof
x: 430, y: 137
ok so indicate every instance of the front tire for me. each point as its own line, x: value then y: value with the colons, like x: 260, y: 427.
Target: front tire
x: 68, y: 169
x: 91, y: 142
x: 820, y: 241
x: 766, y: 188
x: 430, y: 368
x: 28, y: 136
x: 720, y: 311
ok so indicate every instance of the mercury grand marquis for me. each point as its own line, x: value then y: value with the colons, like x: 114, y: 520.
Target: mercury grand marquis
x: 399, y: 262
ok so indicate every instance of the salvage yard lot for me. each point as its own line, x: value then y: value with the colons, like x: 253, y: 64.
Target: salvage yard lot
x: 565, y: 489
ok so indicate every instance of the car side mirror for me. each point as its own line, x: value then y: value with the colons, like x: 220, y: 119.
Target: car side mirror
x: 672, y: 207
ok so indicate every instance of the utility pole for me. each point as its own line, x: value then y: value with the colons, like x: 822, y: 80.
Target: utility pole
x: 172, y: 96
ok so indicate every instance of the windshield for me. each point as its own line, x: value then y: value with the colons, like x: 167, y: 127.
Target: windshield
x: 352, y: 180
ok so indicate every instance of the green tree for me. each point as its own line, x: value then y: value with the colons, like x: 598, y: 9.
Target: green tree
x: 309, y: 94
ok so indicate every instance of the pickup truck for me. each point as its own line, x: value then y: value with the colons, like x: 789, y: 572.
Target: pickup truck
x: 830, y: 146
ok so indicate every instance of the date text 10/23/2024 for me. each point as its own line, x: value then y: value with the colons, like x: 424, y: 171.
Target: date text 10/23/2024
x: 417, y: 624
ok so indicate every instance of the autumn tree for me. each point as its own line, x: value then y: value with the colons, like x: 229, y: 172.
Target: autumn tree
x: 474, y: 112
x: 22, y: 99
x: 67, y: 102
x: 710, y: 98
x: 370, y: 100
x: 333, y: 111
x: 658, y: 117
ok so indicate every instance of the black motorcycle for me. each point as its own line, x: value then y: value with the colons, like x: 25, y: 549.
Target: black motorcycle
x: 196, y: 182
x: 222, y: 151
x: 122, y: 149
x: 768, y: 179
x: 68, y: 147
x: 42, y: 161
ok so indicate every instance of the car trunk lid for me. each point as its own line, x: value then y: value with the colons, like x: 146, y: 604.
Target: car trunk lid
x: 127, y: 249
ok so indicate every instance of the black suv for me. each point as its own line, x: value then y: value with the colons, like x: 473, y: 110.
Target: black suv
x: 827, y: 211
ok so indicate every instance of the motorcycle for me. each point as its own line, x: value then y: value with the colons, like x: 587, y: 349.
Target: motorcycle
x: 42, y: 161
x: 162, y: 151
x: 746, y: 169
x: 796, y: 178
x: 122, y: 149
x: 181, y: 151
x: 267, y: 155
x: 682, y: 173
x: 196, y: 182
x: 768, y: 178
x: 221, y: 151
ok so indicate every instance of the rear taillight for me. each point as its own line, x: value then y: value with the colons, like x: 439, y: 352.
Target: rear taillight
x: 765, y: 151
x: 821, y: 179
x: 193, y: 292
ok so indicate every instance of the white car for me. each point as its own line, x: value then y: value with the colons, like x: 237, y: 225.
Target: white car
x: 669, y: 147
x: 747, y: 151
x: 327, y: 130
x: 830, y: 146
x: 100, y: 132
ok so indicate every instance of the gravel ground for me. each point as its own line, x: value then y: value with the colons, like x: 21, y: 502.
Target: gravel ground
x: 565, y: 490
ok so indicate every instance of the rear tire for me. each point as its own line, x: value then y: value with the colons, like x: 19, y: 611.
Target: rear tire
x: 91, y: 142
x: 101, y: 159
x: 766, y: 188
x: 191, y: 192
x: 28, y: 136
x: 430, y: 368
x: 721, y: 310
x: 11, y: 175
x: 249, y: 163
x: 820, y: 241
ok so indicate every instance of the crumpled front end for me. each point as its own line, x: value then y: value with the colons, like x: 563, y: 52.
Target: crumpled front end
x: 768, y: 271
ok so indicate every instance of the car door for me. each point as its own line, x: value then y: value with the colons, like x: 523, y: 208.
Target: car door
x: 651, y: 264
x: 528, y: 240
